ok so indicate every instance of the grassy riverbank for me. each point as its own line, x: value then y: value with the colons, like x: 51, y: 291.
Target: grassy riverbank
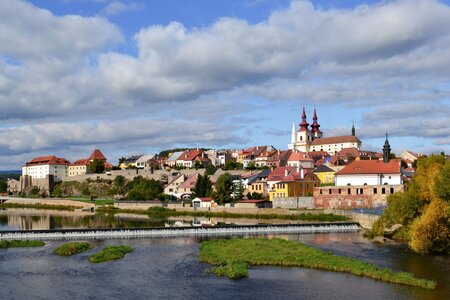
x: 232, y: 257
x: 20, y: 244
x: 110, y: 253
x: 38, y: 206
x: 72, y: 248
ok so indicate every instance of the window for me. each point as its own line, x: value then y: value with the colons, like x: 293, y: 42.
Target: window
x: 339, y: 191
x: 349, y: 191
x: 320, y: 191
x: 389, y: 177
x: 375, y: 190
x: 392, y: 190
x: 383, y: 191
x: 329, y: 191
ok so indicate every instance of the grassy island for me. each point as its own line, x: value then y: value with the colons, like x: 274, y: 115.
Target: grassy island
x: 232, y: 257
x: 72, y: 248
x: 20, y: 244
x: 110, y: 253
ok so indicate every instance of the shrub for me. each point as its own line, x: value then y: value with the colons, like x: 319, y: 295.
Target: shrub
x: 72, y: 248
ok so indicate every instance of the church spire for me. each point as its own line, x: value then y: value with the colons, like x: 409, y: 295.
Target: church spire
x: 353, y: 129
x: 304, y: 124
x: 315, y: 126
x: 386, y: 150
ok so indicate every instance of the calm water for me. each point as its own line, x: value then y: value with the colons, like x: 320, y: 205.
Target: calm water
x: 169, y: 269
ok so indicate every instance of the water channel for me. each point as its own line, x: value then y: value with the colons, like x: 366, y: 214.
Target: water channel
x: 168, y: 268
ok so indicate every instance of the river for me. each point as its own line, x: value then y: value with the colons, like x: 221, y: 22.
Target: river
x: 169, y: 269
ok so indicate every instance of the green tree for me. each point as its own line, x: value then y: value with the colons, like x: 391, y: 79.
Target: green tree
x: 97, y: 166
x: 119, y: 184
x: 203, y: 187
x: 197, y: 165
x: 251, y: 166
x: 210, y: 170
x: 442, y: 183
x: 3, y: 186
x: 144, y: 189
x: 224, y: 188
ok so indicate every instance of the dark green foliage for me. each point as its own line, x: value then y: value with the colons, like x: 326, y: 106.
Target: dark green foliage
x: 210, y: 170
x: 231, y: 257
x: 231, y: 165
x: 72, y: 248
x: 20, y: 244
x: 97, y: 166
x: 224, y: 188
x: 3, y: 186
x: 255, y: 196
x: 203, y: 187
x: 34, y: 191
x: 119, y: 184
x: 251, y: 166
x: 144, y: 189
x: 110, y: 253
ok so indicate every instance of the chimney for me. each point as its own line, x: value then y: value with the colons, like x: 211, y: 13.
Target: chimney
x: 286, y: 173
x: 297, y: 169
x: 302, y: 173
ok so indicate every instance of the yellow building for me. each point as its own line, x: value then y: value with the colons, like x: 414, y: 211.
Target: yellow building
x: 292, y: 186
x: 325, y: 174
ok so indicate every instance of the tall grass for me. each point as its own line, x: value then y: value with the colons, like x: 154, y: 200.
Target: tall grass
x: 72, y: 248
x: 110, y: 253
x: 231, y: 257
x: 20, y: 244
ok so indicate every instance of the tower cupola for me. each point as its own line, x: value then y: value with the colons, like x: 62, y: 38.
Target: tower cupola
x: 386, y: 150
x: 304, y: 124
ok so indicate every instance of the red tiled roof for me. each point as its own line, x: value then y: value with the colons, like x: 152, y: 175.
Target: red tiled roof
x: 189, y: 182
x: 81, y: 162
x: 336, y: 140
x: 190, y: 155
x: 97, y: 154
x: 349, y: 152
x: 47, y: 160
x: 371, y: 167
x: 206, y: 199
x: 299, y: 156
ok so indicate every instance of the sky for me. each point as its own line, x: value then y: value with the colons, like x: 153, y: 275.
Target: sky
x: 134, y: 77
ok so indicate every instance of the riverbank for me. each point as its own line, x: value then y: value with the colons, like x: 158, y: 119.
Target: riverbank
x: 232, y: 257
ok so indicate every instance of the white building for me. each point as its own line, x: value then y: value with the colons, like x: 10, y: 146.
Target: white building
x: 300, y: 160
x: 204, y: 202
x: 40, y: 167
x: 370, y: 172
x: 140, y: 162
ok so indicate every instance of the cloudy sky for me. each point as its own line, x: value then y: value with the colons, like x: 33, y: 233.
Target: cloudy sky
x: 136, y: 77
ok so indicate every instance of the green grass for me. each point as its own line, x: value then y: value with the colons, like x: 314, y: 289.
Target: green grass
x: 38, y: 206
x: 110, y: 253
x: 20, y: 244
x: 72, y: 248
x: 232, y: 257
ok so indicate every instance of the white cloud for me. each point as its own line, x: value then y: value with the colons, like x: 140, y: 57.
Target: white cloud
x: 115, y: 8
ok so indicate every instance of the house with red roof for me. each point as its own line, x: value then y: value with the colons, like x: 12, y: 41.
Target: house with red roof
x: 81, y: 166
x: 190, y: 157
x: 284, y: 182
x: 301, y: 160
x: 203, y: 202
x: 370, y: 172
x: 41, y: 167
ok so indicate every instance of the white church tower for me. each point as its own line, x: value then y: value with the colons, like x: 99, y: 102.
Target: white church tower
x: 292, y: 144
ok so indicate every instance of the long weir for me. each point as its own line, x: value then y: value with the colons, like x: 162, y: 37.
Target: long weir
x: 157, y: 232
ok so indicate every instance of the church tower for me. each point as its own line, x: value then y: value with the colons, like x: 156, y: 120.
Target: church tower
x: 386, y: 150
x: 304, y: 135
x: 292, y: 144
x: 316, y: 133
x: 353, y: 129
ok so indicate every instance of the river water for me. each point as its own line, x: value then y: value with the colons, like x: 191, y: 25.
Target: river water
x: 166, y: 268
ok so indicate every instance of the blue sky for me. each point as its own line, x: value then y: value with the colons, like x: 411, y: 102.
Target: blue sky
x: 136, y: 77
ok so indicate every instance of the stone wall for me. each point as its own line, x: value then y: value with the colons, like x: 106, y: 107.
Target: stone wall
x: 347, y: 197
x: 293, y: 202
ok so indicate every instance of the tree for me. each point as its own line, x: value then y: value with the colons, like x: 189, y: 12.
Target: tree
x: 119, y: 183
x: 251, y: 166
x: 144, y: 189
x: 210, y: 169
x: 3, y: 186
x: 442, y: 183
x: 255, y: 196
x: 97, y: 166
x: 203, y: 187
x: 224, y: 188
x: 197, y: 165
x: 430, y: 233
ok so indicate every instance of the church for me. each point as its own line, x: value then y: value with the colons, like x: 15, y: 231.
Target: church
x: 308, y: 139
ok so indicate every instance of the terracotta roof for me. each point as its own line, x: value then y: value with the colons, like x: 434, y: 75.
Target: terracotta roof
x: 371, y: 167
x: 97, y: 154
x: 299, y: 156
x: 190, y: 155
x: 47, y: 160
x: 349, y: 152
x: 205, y: 199
x: 189, y: 182
x: 81, y: 162
x: 336, y: 140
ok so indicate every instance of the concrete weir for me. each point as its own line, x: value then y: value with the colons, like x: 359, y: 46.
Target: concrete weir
x: 105, y: 233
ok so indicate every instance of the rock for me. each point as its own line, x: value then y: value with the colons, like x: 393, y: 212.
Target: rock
x: 393, y: 228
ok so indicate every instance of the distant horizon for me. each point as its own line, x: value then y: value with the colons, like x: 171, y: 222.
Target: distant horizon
x: 134, y: 77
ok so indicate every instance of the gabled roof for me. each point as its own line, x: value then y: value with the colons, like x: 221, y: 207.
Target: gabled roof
x: 190, y: 182
x: 144, y: 158
x: 97, y: 154
x: 336, y: 140
x: 371, y: 167
x: 323, y: 169
x: 47, y: 160
x: 132, y: 159
x: 349, y: 152
x: 190, y: 155
x: 175, y: 156
x: 299, y: 156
